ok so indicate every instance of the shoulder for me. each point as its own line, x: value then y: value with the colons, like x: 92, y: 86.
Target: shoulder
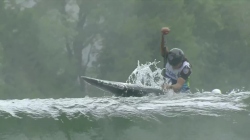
x: 186, y: 64
x: 186, y: 69
x: 185, y: 72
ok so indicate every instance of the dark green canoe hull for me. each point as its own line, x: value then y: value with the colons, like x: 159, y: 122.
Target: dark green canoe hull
x: 122, y: 89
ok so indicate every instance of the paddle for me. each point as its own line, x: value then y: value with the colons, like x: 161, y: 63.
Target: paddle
x: 165, y: 53
x: 165, y: 31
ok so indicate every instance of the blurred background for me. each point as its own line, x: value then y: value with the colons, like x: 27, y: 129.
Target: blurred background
x: 45, y: 45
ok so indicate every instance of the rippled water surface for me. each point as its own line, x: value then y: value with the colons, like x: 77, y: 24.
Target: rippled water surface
x: 201, y: 116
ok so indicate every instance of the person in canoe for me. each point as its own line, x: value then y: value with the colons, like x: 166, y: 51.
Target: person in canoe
x: 177, y: 68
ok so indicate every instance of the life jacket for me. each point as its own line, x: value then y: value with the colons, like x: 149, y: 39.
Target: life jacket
x: 174, y: 74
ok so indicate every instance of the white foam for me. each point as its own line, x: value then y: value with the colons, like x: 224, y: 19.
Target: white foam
x: 144, y: 107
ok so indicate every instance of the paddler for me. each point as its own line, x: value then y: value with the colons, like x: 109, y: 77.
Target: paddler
x: 177, y: 67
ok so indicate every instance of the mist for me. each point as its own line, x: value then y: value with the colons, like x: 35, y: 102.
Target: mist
x: 45, y: 46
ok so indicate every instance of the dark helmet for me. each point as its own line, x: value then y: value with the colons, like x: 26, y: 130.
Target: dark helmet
x: 175, y: 56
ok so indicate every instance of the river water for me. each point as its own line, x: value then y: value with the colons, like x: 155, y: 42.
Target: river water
x: 200, y: 116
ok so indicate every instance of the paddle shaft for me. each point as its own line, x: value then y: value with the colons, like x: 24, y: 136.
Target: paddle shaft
x: 165, y: 54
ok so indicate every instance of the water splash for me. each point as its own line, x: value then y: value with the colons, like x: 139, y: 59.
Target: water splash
x: 147, y: 75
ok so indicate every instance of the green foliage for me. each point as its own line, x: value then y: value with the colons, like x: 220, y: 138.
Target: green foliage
x: 41, y: 46
x: 210, y: 33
